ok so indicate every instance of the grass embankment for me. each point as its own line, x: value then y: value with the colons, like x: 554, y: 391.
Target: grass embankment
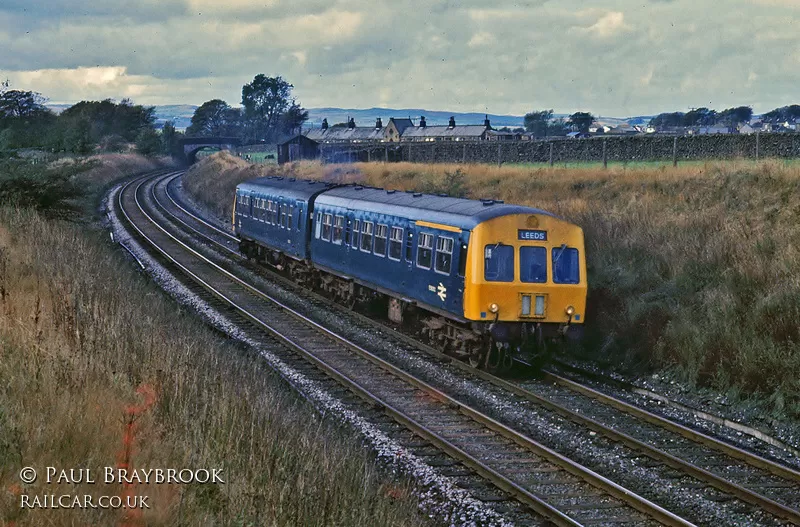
x: 694, y: 269
x: 100, y: 368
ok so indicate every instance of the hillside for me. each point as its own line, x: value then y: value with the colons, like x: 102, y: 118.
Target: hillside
x: 692, y: 270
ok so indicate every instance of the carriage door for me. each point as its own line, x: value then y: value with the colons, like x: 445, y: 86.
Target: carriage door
x: 348, y: 231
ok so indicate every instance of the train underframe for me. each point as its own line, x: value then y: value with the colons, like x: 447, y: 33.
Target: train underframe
x: 492, y: 346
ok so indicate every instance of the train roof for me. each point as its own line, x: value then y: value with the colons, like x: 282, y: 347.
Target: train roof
x: 290, y: 187
x: 457, y: 212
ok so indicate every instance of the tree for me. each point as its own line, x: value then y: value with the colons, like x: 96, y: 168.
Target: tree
x: 292, y: 120
x: 170, y: 139
x: 700, y: 117
x: 148, y: 142
x: 21, y: 104
x: 211, y: 118
x: 670, y: 119
x: 734, y: 116
x: 265, y: 100
x: 580, y: 121
x: 785, y: 113
x: 537, y: 122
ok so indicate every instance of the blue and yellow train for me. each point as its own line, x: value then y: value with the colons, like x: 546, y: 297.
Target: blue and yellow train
x: 485, y: 281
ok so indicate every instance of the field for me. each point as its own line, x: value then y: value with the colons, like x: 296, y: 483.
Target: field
x: 693, y: 271
x: 101, y: 368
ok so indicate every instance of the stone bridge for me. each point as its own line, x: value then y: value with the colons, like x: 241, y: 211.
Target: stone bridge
x: 192, y: 145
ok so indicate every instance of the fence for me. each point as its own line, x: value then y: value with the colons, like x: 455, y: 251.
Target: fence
x: 594, y: 149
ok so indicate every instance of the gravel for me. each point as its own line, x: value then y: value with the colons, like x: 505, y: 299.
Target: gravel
x: 438, y: 495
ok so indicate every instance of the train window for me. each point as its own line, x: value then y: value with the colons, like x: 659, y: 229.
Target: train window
x: 289, y: 217
x: 283, y: 215
x: 338, y: 227
x: 409, y: 246
x: 462, y: 260
x: 381, y: 231
x: 444, y: 254
x: 396, y: 243
x: 498, y: 263
x: 424, y: 250
x: 366, y: 236
x: 318, y: 225
x: 274, y: 214
x: 326, y: 227
x: 347, y: 233
x: 356, y: 227
x: 533, y: 265
x: 566, y: 267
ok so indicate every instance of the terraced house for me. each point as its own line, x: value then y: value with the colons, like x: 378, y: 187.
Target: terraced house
x: 404, y: 130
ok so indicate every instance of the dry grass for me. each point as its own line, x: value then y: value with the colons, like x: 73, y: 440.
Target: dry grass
x: 84, y: 340
x: 694, y: 269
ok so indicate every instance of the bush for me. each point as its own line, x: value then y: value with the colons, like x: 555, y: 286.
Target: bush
x: 52, y: 190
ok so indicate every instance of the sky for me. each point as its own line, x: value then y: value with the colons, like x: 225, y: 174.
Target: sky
x: 611, y: 57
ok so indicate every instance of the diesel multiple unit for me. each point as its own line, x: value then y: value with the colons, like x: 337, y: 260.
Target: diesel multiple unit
x: 485, y: 281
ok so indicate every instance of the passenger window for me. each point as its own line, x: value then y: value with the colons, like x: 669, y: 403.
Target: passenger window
x: 356, y: 227
x: 566, y: 267
x: 318, y: 225
x: 366, y: 236
x: 396, y: 243
x: 338, y: 226
x: 289, y: 217
x: 498, y: 263
x: 410, y: 247
x: 283, y: 215
x: 444, y: 254
x: 533, y: 265
x: 380, y: 239
x: 326, y: 227
x: 424, y: 250
x: 347, y: 233
x: 274, y: 213
x: 462, y: 260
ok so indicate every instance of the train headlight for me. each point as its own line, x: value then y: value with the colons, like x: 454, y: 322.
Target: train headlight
x: 570, y: 311
x: 494, y: 308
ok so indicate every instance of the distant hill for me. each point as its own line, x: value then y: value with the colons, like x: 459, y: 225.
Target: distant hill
x: 181, y: 116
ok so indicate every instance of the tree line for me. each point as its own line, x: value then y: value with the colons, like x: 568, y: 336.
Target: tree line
x: 25, y: 122
x: 541, y: 123
x: 268, y: 113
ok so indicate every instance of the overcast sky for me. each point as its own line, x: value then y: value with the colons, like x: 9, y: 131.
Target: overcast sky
x: 609, y: 57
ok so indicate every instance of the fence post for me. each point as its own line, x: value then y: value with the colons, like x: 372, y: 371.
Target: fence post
x: 675, y: 151
x: 551, y: 153
x: 464, y: 153
x: 369, y: 155
x: 386, y: 154
x: 605, y: 159
x: 757, y: 145
x: 499, y: 158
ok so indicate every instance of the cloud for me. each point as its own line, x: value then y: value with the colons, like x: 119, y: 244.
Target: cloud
x: 608, y: 25
x: 612, y: 58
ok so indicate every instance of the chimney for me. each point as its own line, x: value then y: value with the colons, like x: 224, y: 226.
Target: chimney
x: 486, y: 122
x: 452, y: 123
x: 325, y: 124
x: 351, y: 123
x: 379, y: 123
x: 422, y: 123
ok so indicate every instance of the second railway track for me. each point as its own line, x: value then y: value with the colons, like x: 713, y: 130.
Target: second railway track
x: 513, y: 461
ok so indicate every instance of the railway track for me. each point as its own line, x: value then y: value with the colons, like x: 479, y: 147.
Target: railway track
x: 556, y: 488
x: 760, y: 482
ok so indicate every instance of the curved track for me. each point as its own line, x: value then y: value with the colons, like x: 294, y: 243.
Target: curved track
x: 763, y: 483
